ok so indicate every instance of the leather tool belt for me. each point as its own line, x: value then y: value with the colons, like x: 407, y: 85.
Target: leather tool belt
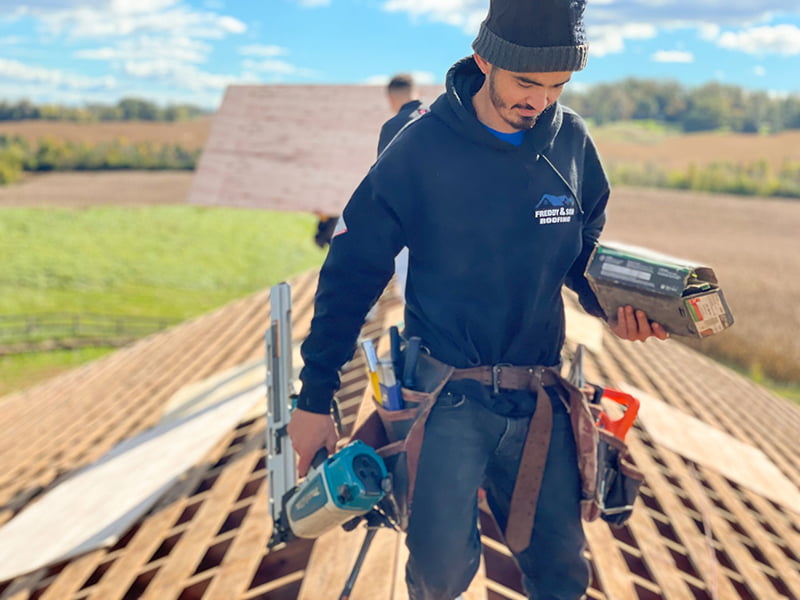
x: 508, y: 377
x: 397, y: 435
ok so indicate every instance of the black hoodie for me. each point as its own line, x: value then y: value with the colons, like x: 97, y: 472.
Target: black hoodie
x: 494, y: 231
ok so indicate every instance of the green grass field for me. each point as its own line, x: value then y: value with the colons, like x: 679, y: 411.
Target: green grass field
x: 162, y: 261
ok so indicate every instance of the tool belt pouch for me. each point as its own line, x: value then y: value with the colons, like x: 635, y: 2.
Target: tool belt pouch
x: 609, y: 480
x: 397, y: 436
x: 618, y: 480
x: 586, y: 442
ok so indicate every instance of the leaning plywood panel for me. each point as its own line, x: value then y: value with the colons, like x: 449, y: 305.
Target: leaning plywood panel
x: 706, y: 445
x: 268, y: 147
x: 94, y: 507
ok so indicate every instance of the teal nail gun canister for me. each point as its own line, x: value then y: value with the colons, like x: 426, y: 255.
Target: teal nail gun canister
x: 337, y: 488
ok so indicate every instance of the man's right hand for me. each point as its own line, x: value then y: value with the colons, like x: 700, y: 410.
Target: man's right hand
x: 309, y: 432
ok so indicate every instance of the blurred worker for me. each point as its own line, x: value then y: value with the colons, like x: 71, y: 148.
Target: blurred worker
x: 401, y: 93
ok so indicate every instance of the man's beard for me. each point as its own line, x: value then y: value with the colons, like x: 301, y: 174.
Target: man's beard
x: 516, y: 121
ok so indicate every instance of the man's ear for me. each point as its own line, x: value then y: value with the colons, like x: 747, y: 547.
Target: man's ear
x: 482, y: 63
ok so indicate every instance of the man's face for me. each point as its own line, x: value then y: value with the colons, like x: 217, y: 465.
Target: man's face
x: 519, y: 98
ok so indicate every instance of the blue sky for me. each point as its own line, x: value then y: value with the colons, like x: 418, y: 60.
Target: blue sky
x: 170, y: 51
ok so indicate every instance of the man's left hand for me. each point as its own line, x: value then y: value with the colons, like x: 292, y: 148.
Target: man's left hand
x: 633, y: 325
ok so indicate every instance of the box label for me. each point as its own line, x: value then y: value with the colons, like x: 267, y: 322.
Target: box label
x: 708, y: 313
x: 642, y: 275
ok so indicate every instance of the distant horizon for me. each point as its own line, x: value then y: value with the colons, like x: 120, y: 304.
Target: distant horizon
x: 188, y: 51
x: 424, y: 86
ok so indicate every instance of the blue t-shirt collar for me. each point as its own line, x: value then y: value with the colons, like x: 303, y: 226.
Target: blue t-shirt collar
x: 512, y: 138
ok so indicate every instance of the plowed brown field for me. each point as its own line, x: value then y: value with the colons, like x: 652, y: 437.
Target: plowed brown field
x: 680, y: 151
x: 751, y: 243
x: 80, y: 189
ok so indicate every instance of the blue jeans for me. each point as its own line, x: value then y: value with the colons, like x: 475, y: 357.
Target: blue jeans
x: 467, y: 446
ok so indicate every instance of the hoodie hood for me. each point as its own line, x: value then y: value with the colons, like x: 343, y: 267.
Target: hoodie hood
x: 454, y: 107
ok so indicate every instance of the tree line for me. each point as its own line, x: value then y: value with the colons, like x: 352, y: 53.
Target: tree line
x: 710, y: 107
x: 713, y: 106
x: 127, y: 109
x: 17, y: 155
x: 757, y: 178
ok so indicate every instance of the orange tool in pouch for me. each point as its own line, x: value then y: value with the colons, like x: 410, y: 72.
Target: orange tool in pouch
x: 619, y: 427
x: 618, y: 479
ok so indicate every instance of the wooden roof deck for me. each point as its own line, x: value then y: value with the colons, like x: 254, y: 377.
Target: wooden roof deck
x: 695, y: 532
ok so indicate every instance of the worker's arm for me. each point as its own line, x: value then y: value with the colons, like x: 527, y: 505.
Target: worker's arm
x: 358, y: 266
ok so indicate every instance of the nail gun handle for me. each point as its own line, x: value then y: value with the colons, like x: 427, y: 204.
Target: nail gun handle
x: 619, y: 427
x: 319, y: 457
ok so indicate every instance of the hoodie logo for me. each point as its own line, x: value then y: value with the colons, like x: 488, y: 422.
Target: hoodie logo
x: 554, y: 209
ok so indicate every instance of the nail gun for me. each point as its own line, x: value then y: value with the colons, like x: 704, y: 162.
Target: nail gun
x: 338, y: 488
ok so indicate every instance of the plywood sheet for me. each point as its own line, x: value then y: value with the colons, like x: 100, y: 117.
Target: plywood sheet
x: 268, y: 149
x: 95, y: 506
x: 195, y: 397
x: 699, y: 442
x: 584, y: 329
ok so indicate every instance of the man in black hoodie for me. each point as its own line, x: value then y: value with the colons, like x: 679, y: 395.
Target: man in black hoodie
x: 401, y: 92
x: 499, y: 194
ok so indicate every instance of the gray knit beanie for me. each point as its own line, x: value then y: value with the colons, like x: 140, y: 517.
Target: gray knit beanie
x: 534, y: 36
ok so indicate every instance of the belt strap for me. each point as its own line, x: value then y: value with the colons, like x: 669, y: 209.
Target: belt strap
x: 537, y: 443
x: 508, y: 377
x: 529, y: 477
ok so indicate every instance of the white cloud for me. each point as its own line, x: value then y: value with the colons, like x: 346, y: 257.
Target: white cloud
x: 709, y: 32
x: 280, y: 67
x: 610, y: 22
x: 610, y: 12
x: 606, y: 35
x: 160, y: 42
x: 376, y: 80
x: 683, y: 13
x: 265, y: 61
x: 177, y: 74
x: 673, y: 56
x: 466, y: 14
x: 424, y: 77
x: 139, y: 6
x: 92, y: 23
x: 275, y: 67
x: 778, y: 39
x: 41, y: 7
x: 263, y: 50
x: 154, y: 47
x: 420, y: 77
x: 759, y: 71
x: 16, y: 71
x: 177, y: 48
x: 313, y: 3
x: 610, y: 39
